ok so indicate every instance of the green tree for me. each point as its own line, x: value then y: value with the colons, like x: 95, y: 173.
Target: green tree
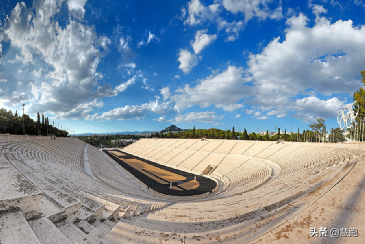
x: 233, y: 134
x: 278, y: 133
x: 337, y: 135
x: 245, y: 134
x: 38, y: 122
x: 319, y: 128
x: 194, y: 132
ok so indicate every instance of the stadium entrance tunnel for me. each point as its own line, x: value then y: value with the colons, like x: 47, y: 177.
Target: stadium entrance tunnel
x: 163, y: 179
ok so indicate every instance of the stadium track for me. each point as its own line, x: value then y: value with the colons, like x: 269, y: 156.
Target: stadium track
x: 205, y: 184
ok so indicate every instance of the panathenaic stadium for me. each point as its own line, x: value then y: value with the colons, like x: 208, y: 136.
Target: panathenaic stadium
x: 180, y: 191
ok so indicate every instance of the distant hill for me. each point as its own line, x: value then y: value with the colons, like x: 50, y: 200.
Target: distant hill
x: 173, y: 128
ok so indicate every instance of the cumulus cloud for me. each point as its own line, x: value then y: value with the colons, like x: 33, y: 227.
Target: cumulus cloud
x: 76, y: 8
x: 187, y: 60
x: 65, y: 58
x: 198, y: 14
x: 107, y: 91
x: 255, y: 8
x: 231, y: 28
x: 326, y: 58
x: 206, y: 117
x: 161, y: 119
x: 202, y: 40
x: 134, y: 111
x: 81, y: 111
x: 224, y: 90
x: 165, y: 93
x: 318, y: 9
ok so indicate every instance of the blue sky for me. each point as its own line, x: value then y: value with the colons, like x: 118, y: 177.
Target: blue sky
x: 108, y: 66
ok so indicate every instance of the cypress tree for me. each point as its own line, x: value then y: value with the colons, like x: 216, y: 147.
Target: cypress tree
x: 278, y: 133
x: 245, y: 134
x: 42, y: 124
x: 233, y: 134
x: 285, y: 135
x: 38, y: 122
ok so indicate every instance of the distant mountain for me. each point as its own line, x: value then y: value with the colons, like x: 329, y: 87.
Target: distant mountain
x: 173, y: 128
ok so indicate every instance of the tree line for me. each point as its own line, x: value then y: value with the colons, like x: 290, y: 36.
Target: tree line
x: 13, y: 124
x: 96, y: 140
x: 318, y: 133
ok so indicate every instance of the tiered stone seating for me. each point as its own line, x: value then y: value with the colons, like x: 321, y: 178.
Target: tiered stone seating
x: 241, y: 147
x: 47, y: 196
x: 226, y: 146
x: 197, y: 145
x: 193, y: 160
x: 212, y: 159
x: 257, y: 148
x: 229, y: 163
x: 211, y: 146
x: 179, y: 158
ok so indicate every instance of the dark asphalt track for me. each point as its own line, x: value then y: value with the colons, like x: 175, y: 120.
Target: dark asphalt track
x: 205, y: 184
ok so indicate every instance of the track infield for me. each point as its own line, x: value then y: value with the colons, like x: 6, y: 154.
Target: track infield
x: 158, y: 177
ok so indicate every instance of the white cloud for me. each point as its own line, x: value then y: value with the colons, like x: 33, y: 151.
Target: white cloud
x: 250, y: 111
x: 72, y: 64
x: 254, y: 8
x: 198, y: 13
x: 277, y: 113
x: 224, y: 90
x: 150, y: 38
x: 107, y: 91
x: 206, y: 117
x: 177, y: 76
x: 232, y: 107
x: 65, y: 58
x: 318, y: 9
x: 1, y: 52
x: 308, y: 57
x: 238, y: 115
x: 81, y: 111
x: 76, y: 8
x: 130, y: 65
x: 202, y: 40
x: 232, y: 29
x: 135, y: 111
x: 161, y: 119
x: 262, y: 117
x: 38, y: 73
x: 321, y: 108
x: 359, y: 3
x: 165, y: 93
x: 187, y: 60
